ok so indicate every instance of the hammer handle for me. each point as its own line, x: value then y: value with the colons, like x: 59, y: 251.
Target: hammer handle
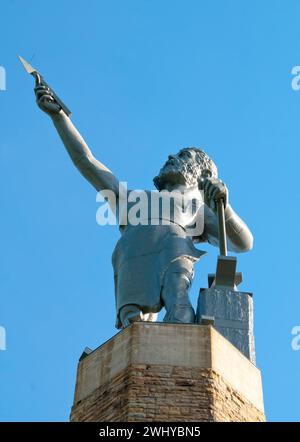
x: 222, y: 227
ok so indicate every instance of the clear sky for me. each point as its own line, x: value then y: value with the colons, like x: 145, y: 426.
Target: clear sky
x: 143, y: 78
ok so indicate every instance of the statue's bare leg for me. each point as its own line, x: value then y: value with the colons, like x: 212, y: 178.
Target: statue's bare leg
x: 175, y: 296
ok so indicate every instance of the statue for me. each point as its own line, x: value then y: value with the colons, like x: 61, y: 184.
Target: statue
x: 154, y: 264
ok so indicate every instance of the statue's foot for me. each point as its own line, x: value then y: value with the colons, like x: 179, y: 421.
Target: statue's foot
x: 130, y: 314
x: 149, y: 317
x: 180, y: 313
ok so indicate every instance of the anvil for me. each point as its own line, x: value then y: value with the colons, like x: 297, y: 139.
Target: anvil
x: 221, y: 305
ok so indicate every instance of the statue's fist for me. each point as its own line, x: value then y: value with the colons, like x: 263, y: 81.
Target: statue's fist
x: 214, y: 190
x: 45, y: 100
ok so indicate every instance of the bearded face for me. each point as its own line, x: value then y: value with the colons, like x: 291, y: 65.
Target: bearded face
x: 181, y: 168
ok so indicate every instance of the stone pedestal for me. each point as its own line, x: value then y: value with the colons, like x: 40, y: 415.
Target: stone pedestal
x: 158, y: 372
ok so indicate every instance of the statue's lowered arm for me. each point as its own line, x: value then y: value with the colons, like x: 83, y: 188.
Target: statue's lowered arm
x: 239, y: 236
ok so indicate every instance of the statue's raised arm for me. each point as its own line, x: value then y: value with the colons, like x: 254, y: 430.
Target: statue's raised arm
x: 92, y: 169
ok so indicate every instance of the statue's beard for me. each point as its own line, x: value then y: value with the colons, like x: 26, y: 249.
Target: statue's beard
x: 176, y: 172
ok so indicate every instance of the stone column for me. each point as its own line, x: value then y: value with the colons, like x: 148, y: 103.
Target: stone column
x: 159, y: 372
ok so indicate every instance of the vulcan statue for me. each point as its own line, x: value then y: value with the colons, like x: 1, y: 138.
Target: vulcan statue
x: 154, y: 262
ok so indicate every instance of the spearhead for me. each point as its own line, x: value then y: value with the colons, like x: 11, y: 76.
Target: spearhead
x: 39, y: 80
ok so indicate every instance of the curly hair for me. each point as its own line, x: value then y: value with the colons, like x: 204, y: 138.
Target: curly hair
x: 203, y: 165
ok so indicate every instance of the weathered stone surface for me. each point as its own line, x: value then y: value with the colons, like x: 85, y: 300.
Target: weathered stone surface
x: 233, y: 316
x: 167, y: 372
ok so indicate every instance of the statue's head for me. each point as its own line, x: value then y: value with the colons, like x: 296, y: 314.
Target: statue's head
x: 187, y: 167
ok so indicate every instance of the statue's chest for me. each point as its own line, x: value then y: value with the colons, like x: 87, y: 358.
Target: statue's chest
x: 154, y: 208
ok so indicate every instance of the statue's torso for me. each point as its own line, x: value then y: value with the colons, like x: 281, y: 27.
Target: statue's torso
x: 162, y: 208
x: 145, y: 251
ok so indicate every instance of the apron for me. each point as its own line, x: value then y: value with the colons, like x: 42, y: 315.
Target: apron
x: 142, y: 256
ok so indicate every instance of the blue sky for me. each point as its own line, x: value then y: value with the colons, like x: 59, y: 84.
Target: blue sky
x: 143, y: 78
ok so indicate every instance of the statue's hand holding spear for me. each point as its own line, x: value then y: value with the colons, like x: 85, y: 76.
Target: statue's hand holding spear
x: 46, y: 98
x: 92, y: 169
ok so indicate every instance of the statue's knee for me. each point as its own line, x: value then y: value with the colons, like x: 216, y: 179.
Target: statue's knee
x: 176, y: 298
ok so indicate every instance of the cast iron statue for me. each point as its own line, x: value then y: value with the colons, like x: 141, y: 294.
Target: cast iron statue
x: 154, y: 262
